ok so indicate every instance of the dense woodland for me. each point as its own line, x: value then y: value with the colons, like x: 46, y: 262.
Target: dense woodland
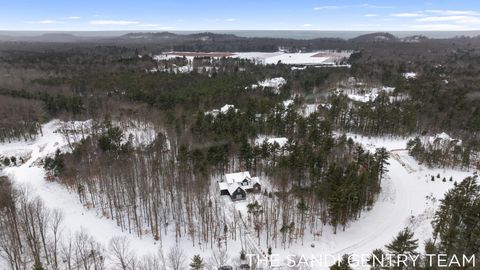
x: 164, y: 186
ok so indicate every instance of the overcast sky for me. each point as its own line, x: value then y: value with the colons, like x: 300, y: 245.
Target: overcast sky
x: 91, y: 15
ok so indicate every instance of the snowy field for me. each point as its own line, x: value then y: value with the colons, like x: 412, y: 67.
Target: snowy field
x: 311, y: 58
x: 329, y: 58
x: 408, y: 198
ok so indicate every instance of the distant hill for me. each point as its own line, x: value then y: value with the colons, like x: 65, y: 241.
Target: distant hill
x: 376, y: 37
x: 48, y: 37
x: 149, y: 36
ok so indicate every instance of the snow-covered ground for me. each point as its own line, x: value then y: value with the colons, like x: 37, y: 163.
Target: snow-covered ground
x: 31, y: 176
x: 311, y: 58
x: 365, y: 95
x: 408, y: 198
x: 223, y: 110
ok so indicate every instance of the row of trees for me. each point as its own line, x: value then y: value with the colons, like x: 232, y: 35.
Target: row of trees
x: 145, y: 190
x: 19, y: 119
x: 35, y: 237
x: 441, y: 152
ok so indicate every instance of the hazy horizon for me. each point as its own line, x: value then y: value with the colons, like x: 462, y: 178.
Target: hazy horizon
x: 294, y: 34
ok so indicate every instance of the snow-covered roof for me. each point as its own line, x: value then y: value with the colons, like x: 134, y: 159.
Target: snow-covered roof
x: 443, y: 138
x: 222, y: 185
x: 287, y: 102
x: 226, y: 108
x: 410, y: 75
x: 233, y: 187
x: 236, y: 177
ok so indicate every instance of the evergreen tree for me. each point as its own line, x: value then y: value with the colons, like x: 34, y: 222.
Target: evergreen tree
x: 382, y: 157
x: 38, y: 266
x: 457, y: 221
x: 6, y: 161
x: 377, y: 260
x: 343, y: 264
x: 197, y: 263
x: 430, y: 248
x: 402, y: 244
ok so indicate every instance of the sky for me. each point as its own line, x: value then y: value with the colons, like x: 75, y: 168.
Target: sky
x: 178, y: 15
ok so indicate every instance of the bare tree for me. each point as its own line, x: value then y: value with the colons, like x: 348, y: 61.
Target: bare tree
x: 121, y: 254
x: 55, y: 231
x: 151, y: 262
x: 218, y: 258
x: 176, y: 258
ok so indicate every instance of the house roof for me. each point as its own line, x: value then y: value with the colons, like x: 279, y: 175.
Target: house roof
x: 233, y: 187
x: 236, y: 177
x: 226, y: 108
x: 223, y: 186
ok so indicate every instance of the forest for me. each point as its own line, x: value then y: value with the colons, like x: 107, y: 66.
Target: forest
x: 162, y: 186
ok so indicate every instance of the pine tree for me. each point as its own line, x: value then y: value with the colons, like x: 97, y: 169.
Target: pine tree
x: 377, y: 260
x: 382, y: 157
x: 402, y: 244
x: 456, y: 223
x: 343, y: 264
x: 430, y: 248
x: 197, y: 263
x: 6, y: 161
x: 38, y: 266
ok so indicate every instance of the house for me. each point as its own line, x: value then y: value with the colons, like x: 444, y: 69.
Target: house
x: 236, y: 185
x: 237, y: 192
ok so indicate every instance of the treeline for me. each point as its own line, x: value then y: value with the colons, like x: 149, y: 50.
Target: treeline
x: 444, y: 153
x: 379, y: 117
x: 54, y: 103
x: 442, y: 96
x: 20, y: 118
x: 144, y: 190
x: 34, y: 237
x: 22, y: 113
